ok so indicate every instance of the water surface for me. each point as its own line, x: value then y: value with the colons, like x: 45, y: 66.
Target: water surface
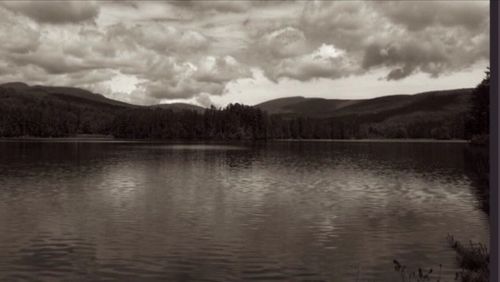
x: 281, y: 211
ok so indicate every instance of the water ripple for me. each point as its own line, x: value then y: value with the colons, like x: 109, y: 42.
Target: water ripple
x: 192, y: 212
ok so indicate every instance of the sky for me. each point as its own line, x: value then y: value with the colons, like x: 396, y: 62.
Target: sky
x: 220, y: 52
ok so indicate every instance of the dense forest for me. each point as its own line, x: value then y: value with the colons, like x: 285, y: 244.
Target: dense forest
x: 478, y: 118
x: 244, y: 122
x: 51, y: 113
x: 27, y: 114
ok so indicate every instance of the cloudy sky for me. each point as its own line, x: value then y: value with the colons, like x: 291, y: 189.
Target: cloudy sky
x: 220, y: 52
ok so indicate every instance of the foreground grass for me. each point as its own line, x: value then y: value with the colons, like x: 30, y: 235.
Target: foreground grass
x: 473, y: 259
x: 416, y: 276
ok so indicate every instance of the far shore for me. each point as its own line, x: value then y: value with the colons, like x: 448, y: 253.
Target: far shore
x: 98, y: 137
x: 395, y: 140
x: 78, y: 136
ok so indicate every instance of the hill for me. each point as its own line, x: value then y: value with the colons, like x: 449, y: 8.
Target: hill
x: 436, y: 114
x: 180, y: 107
x: 48, y: 111
x: 300, y: 106
x: 435, y: 101
x: 67, y: 94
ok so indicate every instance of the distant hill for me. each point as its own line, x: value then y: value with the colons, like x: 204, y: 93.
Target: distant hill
x: 301, y: 106
x: 436, y: 102
x: 436, y: 114
x: 180, y: 107
x: 67, y: 94
x: 81, y: 96
x: 62, y: 111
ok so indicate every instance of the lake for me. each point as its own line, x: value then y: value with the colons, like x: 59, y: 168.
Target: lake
x: 279, y: 211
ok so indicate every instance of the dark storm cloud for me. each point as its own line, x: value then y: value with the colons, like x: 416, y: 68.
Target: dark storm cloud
x: 55, y: 12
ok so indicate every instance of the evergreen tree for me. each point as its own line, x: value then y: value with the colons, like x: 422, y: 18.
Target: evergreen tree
x: 478, y: 118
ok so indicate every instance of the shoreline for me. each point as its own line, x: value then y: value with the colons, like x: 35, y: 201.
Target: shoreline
x: 89, y: 137
x: 388, y: 140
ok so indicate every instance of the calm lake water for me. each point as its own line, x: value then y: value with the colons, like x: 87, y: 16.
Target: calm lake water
x: 281, y: 211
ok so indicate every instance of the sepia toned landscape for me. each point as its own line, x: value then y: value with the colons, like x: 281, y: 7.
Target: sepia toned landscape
x: 244, y: 141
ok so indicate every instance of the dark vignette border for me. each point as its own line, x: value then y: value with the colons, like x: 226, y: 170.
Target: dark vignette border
x: 494, y: 152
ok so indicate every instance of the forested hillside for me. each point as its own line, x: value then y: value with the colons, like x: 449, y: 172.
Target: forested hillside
x: 54, y: 112
x: 445, y: 101
x: 438, y: 114
x: 57, y: 112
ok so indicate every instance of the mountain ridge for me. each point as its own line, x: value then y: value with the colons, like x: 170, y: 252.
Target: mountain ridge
x: 273, y: 106
x: 328, y: 108
x: 74, y: 94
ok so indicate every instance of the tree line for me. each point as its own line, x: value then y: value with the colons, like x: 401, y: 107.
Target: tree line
x: 49, y: 118
x: 23, y: 115
x: 478, y: 117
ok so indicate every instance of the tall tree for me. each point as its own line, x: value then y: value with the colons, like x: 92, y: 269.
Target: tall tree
x: 478, y: 119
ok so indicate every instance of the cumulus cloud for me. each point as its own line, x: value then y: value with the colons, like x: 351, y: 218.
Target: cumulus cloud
x: 195, y: 49
x: 55, y: 12
x: 179, y: 89
x: 406, y: 37
x: 89, y: 77
x: 161, y: 37
x: 417, y: 16
x: 16, y: 36
x: 204, y: 100
x: 223, y: 6
x: 344, y: 23
x: 325, y: 62
x: 220, y: 70
x: 442, y: 51
x: 282, y: 43
x: 53, y: 63
x: 69, y: 51
x: 406, y: 57
x: 176, y: 79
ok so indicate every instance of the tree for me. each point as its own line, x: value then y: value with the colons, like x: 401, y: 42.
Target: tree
x: 478, y: 117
